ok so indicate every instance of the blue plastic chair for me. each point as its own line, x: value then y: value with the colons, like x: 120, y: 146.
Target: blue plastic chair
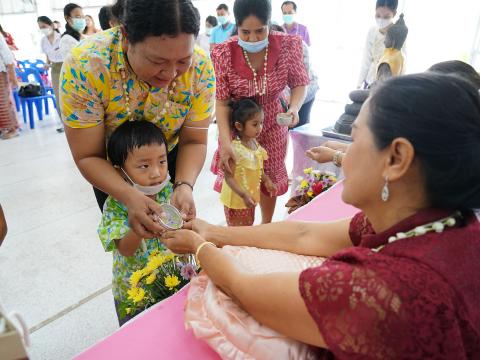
x: 40, y: 66
x: 27, y: 75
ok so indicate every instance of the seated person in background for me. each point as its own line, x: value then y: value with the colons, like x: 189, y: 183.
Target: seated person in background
x: 391, y: 63
x: 460, y: 68
x: 3, y: 226
x: 138, y: 150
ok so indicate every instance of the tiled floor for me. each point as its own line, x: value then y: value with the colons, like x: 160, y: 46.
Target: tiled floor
x: 53, y: 269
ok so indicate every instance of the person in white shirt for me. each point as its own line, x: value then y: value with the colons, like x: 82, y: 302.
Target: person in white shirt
x: 385, y: 11
x: 203, y: 40
x: 50, y: 45
x: 8, y: 80
x: 76, y: 23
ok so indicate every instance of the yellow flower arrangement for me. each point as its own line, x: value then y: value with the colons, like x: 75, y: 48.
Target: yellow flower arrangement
x: 163, y: 275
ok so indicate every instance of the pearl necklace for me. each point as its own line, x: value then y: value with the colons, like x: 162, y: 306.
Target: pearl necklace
x: 437, y: 226
x: 255, y: 84
x: 127, y: 97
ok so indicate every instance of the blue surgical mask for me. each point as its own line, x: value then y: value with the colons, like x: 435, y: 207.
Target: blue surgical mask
x: 289, y: 19
x: 208, y: 31
x: 253, y: 47
x: 79, y: 24
x: 222, y: 20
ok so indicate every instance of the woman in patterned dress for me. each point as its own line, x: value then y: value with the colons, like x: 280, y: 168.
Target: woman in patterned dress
x: 150, y: 68
x: 240, y: 65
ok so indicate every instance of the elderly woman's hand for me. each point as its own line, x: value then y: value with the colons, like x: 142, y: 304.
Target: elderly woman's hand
x: 201, y: 227
x: 293, y: 111
x: 182, y: 241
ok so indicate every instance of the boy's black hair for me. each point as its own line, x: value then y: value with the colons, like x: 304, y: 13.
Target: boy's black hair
x: 289, y: 3
x: 242, y: 111
x: 132, y: 135
x: 223, y: 7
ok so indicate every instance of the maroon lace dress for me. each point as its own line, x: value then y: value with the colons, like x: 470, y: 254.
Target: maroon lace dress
x: 418, y: 298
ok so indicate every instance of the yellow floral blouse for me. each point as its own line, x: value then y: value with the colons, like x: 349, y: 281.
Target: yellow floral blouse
x: 92, y: 89
x: 248, y: 175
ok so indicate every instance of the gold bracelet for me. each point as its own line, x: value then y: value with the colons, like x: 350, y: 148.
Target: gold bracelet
x: 200, y: 248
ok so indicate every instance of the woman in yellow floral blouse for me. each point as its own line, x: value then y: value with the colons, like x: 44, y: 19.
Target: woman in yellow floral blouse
x: 148, y: 67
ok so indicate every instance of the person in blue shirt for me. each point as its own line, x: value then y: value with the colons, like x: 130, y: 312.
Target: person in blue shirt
x: 224, y: 30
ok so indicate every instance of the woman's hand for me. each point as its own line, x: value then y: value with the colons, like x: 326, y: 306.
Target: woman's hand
x: 182, y: 199
x: 182, y: 241
x: 336, y: 145
x: 293, y: 111
x: 140, y: 211
x: 227, y: 158
x: 269, y: 185
x: 321, y: 154
x: 201, y: 227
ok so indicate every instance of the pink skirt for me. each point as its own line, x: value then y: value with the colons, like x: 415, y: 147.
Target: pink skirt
x: 8, y: 114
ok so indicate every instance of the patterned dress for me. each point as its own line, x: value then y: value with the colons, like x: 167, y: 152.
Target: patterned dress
x: 92, y: 93
x: 114, y: 226
x: 285, y: 67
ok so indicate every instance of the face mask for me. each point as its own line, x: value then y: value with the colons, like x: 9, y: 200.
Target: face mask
x: 222, y: 20
x: 208, y: 31
x: 148, y: 190
x: 383, y: 23
x: 253, y: 47
x: 79, y: 24
x: 46, y: 31
x: 289, y: 19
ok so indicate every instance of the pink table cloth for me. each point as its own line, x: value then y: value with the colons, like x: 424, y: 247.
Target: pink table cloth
x: 159, y: 333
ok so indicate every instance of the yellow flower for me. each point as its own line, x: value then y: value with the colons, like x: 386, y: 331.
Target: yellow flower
x: 154, y: 263
x: 304, y: 184
x: 310, y: 193
x: 171, y: 281
x: 128, y: 310
x: 136, y: 294
x: 135, y: 278
x: 308, y: 171
x: 150, y: 279
x: 153, y: 254
x: 169, y: 257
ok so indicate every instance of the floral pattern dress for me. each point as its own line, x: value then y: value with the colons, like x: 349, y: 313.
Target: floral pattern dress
x: 114, y: 226
x: 285, y: 67
x: 92, y: 89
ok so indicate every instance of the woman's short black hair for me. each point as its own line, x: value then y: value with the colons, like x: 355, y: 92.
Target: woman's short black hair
x: 242, y: 111
x: 222, y: 7
x: 132, y: 135
x: 391, y: 4
x: 212, y: 20
x: 289, y: 3
x: 144, y: 18
x: 46, y: 20
x: 459, y: 68
x: 262, y: 9
x: 440, y: 115
x: 104, y: 16
x: 67, y: 12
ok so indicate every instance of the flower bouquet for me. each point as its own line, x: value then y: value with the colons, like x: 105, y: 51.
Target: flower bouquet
x: 164, y: 274
x: 312, y: 184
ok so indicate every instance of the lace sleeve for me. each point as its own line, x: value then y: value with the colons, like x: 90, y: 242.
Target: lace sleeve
x: 359, y: 226
x: 373, y: 306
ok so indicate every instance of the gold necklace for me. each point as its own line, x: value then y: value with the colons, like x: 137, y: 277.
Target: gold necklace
x: 255, y: 84
x: 170, y: 91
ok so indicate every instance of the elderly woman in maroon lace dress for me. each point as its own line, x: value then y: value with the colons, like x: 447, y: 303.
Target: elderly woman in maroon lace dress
x: 401, y: 279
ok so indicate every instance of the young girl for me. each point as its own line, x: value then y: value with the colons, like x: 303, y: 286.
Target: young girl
x: 137, y: 149
x: 241, y: 191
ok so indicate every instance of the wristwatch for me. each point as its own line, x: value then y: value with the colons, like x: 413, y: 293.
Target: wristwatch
x: 337, y: 158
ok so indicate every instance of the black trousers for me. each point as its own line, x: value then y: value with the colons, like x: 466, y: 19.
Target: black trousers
x: 304, y: 113
x: 172, y: 165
